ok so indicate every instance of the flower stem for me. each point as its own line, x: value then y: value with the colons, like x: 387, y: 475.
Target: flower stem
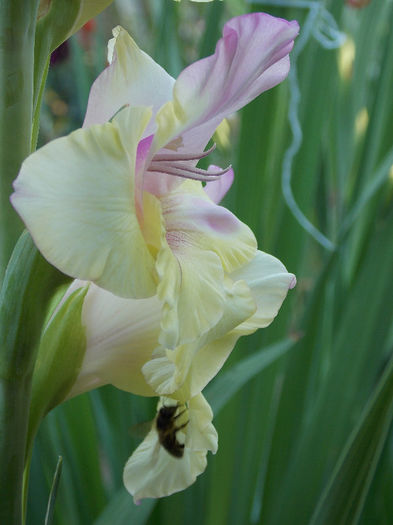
x: 17, y: 32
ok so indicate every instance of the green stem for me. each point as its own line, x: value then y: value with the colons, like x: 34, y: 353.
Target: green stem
x: 37, y: 108
x: 17, y: 31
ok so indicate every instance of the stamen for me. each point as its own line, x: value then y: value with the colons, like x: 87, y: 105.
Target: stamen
x: 183, y: 156
x: 178, y: 164
x: 187, y: 172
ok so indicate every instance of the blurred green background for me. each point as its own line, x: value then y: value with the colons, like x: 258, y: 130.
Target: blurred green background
x: 303, y: 408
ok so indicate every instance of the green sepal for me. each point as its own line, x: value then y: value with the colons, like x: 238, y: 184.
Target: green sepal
x: 57, y: 21
x: 28, y: 285
x: 60, y: 355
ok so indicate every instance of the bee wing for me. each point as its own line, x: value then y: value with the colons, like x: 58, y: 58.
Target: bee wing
x: 140, y: 430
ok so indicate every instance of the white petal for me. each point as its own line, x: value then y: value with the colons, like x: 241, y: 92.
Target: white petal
x: 193, y: 300
x: 269, y: 283
x: 204, y: 242
x: 132, y: 78
x: 251, y: 57
x: 151, y: 472
x: 76, y: 197
x: 186, y: 370
x: 217, y: 189
x: 121, y: 335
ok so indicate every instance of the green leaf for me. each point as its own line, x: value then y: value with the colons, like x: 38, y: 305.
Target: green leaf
x: 220, y: 391
x: 125, y: 510
x: 342, y: 501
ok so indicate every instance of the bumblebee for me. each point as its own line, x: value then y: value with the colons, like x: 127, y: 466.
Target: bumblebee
x: 166, y: 429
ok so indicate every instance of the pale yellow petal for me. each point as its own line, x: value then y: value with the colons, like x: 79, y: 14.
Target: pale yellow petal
x: 151, y: 472
x: 259, y: 289
x: 203, y: 241
x: 132, y: 78
x: 269, y: 283
x: 165, y: 370
x: 201, y: 435
x: 188, y: 211
x: 192, y: 292
x: 76, y: 197
x: 206, y: 364
x: 121, y: 335
x: 184, y: 371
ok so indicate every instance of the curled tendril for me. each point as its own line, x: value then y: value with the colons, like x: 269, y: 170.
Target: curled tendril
x: 321, y: 25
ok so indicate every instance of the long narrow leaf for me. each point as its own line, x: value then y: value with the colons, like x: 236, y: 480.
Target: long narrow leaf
x: 53, y: 493
x: 228, y: 383
x: 344, y: 497
x: 125, y: 510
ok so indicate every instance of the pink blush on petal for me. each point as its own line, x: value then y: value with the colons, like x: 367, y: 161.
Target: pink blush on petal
x: 142, y: 152
x: 198, y: 215
x: 223, y: 222
x: 217, y: 189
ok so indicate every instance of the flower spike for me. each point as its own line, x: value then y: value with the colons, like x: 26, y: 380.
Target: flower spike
x: 109, y: 203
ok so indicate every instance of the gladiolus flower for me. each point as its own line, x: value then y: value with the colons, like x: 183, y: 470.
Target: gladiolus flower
x: 175, y: 279
x: 110, y: 203
x: 123, y: 349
